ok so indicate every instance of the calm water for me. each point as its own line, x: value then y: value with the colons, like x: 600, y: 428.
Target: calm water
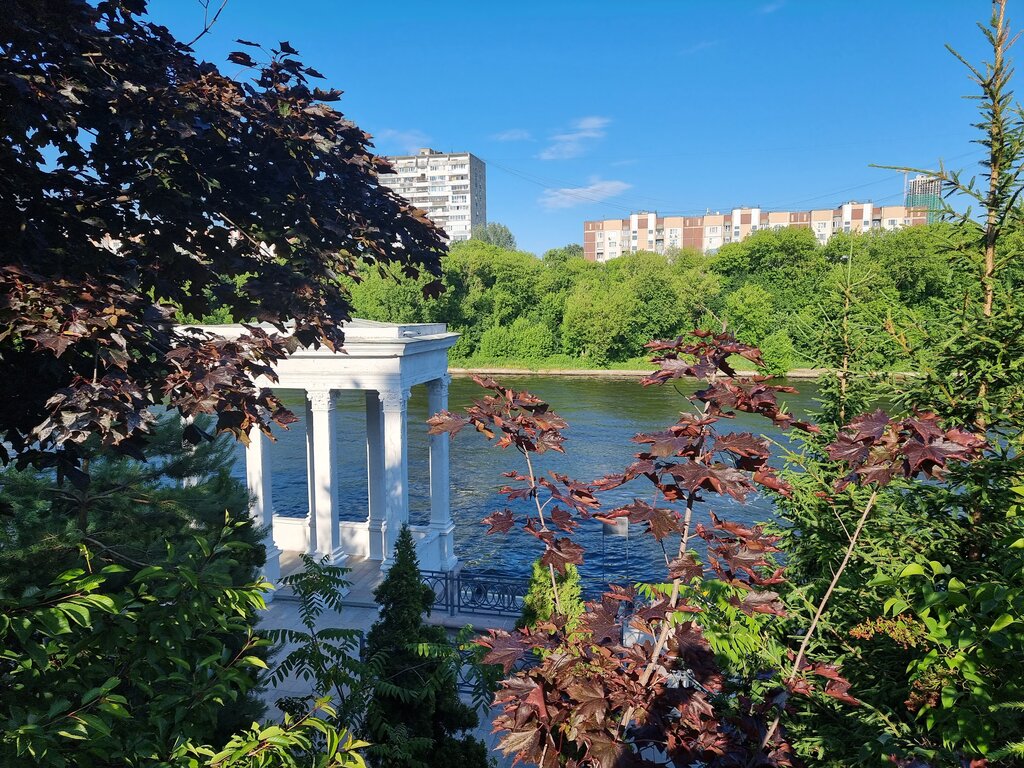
x: 603, y: 415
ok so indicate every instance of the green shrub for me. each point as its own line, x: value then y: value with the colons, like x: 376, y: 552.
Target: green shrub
x: 778, y: 353
x: 532, y: 341
x: 496, y: 343
x: 539, y: 604
x: 160, y: 657
x: 461, y: 350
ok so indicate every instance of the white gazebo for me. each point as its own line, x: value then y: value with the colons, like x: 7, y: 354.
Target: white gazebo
x: 385, y: 361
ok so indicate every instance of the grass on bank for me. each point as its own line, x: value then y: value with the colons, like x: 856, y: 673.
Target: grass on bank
x: 563, y: 362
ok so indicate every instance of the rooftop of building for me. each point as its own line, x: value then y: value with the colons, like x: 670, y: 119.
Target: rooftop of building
x: 429, y: 152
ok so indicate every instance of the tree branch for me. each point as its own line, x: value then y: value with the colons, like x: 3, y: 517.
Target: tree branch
x: 207, y: 21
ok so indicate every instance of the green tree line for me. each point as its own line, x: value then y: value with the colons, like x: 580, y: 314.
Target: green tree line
x: 776, y: 289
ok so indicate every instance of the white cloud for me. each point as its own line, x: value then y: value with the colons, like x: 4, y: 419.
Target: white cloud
x: 569, y: 197
x: 404, y: 141
x: 513, y: 134
x: 574, y: 143
x: 772, y: 7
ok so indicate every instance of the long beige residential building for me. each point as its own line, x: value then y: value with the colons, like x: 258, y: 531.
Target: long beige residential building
x: 605, y: 239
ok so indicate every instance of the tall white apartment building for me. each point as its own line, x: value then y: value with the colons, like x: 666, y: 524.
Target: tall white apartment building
x: 450, y: 187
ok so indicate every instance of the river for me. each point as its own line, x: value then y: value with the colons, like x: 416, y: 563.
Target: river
x: 603, y: 414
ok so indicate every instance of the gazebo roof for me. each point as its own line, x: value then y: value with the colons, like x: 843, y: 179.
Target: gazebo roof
x: 365, y: 339
x: 376, y: 355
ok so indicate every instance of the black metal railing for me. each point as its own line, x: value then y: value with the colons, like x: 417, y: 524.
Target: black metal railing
x: 465, y: 592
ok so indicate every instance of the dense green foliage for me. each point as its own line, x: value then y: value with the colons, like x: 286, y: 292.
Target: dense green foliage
x: 929, y: 616
x: 539, y: 603
x: 135, y: 508
x: 116, y: 662
x: 129, y: 607
x: 414, y: 716
x: 773, y: 289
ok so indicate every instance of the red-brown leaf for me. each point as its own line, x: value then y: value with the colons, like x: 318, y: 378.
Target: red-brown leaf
x: 500, y: 521
x: 561, y: 553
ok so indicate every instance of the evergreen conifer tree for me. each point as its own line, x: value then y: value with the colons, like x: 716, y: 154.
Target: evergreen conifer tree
x: 415, y: 716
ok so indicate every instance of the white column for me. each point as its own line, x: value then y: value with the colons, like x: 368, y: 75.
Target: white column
x: 375, y: 481
x: 396, y: 467
x: 258, y: 480
x: 440, y: 482
x: 324, y: 530
x: 310, y: 473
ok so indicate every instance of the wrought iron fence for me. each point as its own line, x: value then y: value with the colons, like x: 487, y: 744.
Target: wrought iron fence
x: 476, y: 593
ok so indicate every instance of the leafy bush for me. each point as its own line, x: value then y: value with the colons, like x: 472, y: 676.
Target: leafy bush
x: 131, y: 515
x: 126, y: 660
x: 778, y: 353
x: 461, y: 350
x: 497, y: 343
x: 532, y: 341
x: 539, y: 604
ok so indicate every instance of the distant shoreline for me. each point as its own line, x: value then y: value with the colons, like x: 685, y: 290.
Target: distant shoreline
x: 607, y: 373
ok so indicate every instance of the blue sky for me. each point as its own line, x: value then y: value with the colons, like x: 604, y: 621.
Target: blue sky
x: 594, y: 109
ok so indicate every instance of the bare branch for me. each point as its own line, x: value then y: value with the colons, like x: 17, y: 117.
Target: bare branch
x: 207, y: 21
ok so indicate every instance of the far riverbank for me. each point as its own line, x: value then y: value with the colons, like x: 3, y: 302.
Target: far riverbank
x: 609, y: 373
